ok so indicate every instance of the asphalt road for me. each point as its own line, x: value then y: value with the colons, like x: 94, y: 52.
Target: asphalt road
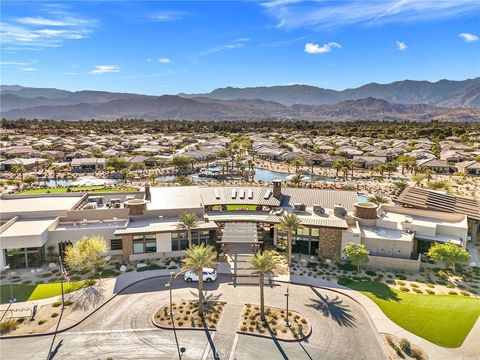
x: 123, y: 329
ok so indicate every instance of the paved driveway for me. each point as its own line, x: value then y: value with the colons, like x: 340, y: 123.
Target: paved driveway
x: 123, y: 329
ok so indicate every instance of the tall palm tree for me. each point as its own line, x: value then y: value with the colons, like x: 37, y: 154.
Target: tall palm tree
x: 199, y: 257
x: 337, y: 165
x: 188, y: 221
x: 290, y: 224
x: 265, y: 263
x: 18, y: 169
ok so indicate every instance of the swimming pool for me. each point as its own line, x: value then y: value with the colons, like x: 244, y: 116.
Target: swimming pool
x: 362, y: 199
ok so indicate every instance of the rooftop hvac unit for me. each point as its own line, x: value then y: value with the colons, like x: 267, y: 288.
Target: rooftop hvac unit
x: 242, y: 194
x: 217, y: 195
x: 339, y: 210
x: 250, y: 193
x: 299, y: 207
x: 234, y: 193
x: 318, y: 209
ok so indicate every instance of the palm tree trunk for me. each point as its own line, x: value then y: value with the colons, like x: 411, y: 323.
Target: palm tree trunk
x: 200, y: 294
x: 189, y: 238
x: 289, y: 241
x: 262, y: 301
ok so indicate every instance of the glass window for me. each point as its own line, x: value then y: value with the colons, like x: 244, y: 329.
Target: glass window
x: 150, y: 246
x: 183, y: 244
x: 116, y: 244
x: 138, y: 247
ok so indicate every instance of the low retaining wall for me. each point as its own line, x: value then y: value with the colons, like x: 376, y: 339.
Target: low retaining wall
x: 390, y: 263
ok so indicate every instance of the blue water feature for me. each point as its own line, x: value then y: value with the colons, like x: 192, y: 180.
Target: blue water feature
x: 362, y: 199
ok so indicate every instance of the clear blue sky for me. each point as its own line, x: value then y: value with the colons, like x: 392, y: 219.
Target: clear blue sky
x: 170, y: 47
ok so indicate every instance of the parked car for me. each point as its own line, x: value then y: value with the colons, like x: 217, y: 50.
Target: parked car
x: 209, y: 275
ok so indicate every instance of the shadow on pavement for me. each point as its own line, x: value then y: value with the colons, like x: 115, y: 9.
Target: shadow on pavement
x: 333, y: 308
x: 87, y: 298
x: 276, y: 342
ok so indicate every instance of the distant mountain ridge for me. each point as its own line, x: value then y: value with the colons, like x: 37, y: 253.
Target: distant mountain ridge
x: 445, y: 93
x: 295, y: 102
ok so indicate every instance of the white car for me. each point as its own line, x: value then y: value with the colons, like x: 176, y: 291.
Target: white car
x: 209, y: 275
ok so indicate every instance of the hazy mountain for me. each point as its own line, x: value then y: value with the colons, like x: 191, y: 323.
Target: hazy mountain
x: 180, y: 108
x: 444, y: 93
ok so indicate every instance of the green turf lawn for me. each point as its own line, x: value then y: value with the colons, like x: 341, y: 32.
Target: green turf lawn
x: 235, y: 207
x: 74, y: 189
x: 41, y: 291
x: 444, y: 320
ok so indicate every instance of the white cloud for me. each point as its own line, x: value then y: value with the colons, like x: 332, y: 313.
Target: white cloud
x: 235, y: 44
x: 312, y: 48
x: 13, y: 63
x: 165, y: 16
x: 33, y: 33
x: 469, y: 37
x: 330, y: 14
x: 149, y: 60
x: 164, y: 60
x: 28, y: 69
x: 102, y: 69
x: 401, y: 45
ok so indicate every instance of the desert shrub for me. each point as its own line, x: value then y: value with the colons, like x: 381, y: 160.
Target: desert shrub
x: 404, y: 289
x: 413, y: 285
x: 56, y: 304
x: 429, y: 292
x: 418, y: 291
x: 346, y: 266
x: 41, y: 322
x: 405, y: 346
x: 371, y: 273
x: 452, y: 293
x: 8, y: 326
x: 401, y: 276
x: 401, y: 283
x: 465, y: 293
x: 390, y: 281
x: 54, y: 315
x: 344, y: 281
x: 431, y: 286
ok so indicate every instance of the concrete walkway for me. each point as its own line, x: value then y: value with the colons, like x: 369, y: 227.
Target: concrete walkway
x: 474, y: 254
x: 226, y: 334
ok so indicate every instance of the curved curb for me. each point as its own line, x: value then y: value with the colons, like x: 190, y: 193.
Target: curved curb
x: 277, y: 338
x: 83, y: 319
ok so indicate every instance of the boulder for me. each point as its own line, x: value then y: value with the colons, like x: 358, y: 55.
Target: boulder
x: 141, y: 265
x: 52, y: 266
x: 172, y: 264
x: 328, y: 261
x: 123, y: 268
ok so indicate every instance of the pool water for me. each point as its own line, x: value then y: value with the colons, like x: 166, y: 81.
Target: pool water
x: 362, y: 199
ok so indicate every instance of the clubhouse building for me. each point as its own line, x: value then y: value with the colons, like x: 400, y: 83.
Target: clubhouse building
x: 144, y: 225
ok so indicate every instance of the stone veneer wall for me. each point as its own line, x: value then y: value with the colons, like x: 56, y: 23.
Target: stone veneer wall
x: 127, y: 245
x: 330, y: 244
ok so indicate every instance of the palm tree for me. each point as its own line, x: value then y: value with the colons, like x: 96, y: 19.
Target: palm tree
x: 337, y: 165
x: 378, y: 199
x: 265, y: 263
x: 188, y: 221
x: 199, y: 257
x: 290, y: 224
x: 18, y: 169
x: 296, y: 180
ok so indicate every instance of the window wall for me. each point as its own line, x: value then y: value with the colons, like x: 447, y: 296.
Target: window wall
x: 180, y: 239
x: 25, y: 257
x: 144, y: 244
x: 305, y: 240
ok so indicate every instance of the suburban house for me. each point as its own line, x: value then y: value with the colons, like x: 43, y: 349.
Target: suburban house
x: 469, y: 167
x: 88, y: 164
x: 28, y: 164
x: 435, y: 165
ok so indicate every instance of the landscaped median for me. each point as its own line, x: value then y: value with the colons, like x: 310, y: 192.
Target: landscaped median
x: 185, y: 315
x: 66, y: 189
x: 444, y: 320
x: 23, y: 292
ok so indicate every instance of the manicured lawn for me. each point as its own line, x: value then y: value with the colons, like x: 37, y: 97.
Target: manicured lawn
x: 444, y: 320
x: 41, y: 291
x: 20, y: 292
x: 74, y: 189
x: 242, y: 207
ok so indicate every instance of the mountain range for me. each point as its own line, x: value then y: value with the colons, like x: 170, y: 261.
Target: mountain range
x: 444, y: 100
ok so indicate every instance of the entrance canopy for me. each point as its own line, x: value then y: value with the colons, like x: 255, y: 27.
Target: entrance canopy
x: 240, y: 233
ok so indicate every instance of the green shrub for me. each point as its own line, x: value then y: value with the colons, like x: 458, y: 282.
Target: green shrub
x: 390, y: 281
x: 54, y: 315
x: 56, y: 304
x: 41, y: 322
x: 401, y: 283
x: 346, y: 266
x: 8, y: 326
x: 465, y: 293
x: 431, y: 286
x: 452, y: 293
x: 400, y: 276
x: 430, y: 292
x: 404, y: 289
x: 371, y: 273
x: 417, y: 290
x: 344, y: 281
x: 413, y: 285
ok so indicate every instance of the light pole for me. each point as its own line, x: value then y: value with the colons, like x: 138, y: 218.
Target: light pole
x: 12, y: 299
x: 287, y: 294
x: 169, y: 287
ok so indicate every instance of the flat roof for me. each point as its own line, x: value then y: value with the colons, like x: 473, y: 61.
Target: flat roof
x: 38, y: 203
x: 240, y: 233
x: 28, y: 227
x: 175, y: 197
x: 374, y: 232
x: 157, y: 225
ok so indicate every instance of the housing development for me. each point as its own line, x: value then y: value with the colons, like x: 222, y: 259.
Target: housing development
x: 240, y: 180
